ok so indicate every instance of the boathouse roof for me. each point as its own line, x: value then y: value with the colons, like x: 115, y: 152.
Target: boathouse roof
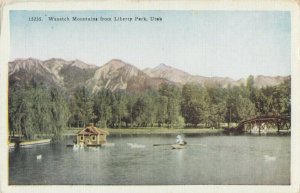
x: 92, y: 130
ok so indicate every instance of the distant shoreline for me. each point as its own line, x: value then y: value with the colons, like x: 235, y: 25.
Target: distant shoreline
x: 155, y: 130
x: 140, y: 131
x: 70, y: 132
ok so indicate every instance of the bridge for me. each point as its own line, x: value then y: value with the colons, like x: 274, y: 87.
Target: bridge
x: 263, y: 123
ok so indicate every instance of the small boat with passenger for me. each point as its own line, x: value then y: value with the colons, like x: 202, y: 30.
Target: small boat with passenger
x: 180, y: 143
x: 178, y: 146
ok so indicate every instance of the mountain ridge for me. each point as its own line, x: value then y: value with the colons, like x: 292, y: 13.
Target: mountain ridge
x: 182, y: 77
x: 115, y: 75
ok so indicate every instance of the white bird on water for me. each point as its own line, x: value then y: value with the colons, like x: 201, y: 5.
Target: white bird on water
x: 269, y: 158
x: 75, y: 147
x: 39, y: 157
x: 135, y: 145
x: 108, y: 145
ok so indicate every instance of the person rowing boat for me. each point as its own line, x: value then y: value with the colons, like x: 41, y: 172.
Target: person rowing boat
x: 180, y: 143
x: 179, y: 140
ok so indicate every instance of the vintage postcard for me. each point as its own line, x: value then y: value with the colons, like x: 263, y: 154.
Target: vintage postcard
x: 141, y: 96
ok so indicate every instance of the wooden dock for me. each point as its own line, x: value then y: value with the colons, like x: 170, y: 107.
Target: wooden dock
x: 29, y: 143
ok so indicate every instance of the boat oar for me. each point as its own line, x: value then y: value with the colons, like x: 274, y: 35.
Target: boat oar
x: 163, y: 144
x: 204, y: 145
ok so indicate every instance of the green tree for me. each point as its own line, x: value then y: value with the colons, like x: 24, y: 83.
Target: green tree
x: 119, y: 108
x: 60, y: 112
x: 20, y: 112
x: 173, y: 93
x: 231, y: 104
x: 103, y: 107
x: 37, y: 110
x: 162, y: 110
x: 217, y: 107
x: 81, y: 104
x: 195, y: 104
x: 245, y: 108
x: 145, y: 112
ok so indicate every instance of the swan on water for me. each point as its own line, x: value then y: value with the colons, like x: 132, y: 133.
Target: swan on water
x: 39, y: 157
x: 269, y: 158
x: 75, y: 147
x: 135, y: 145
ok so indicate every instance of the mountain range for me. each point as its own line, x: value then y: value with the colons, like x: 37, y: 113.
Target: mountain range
x: 114, y: 75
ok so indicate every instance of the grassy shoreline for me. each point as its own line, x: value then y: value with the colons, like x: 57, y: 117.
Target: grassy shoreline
x: 157, y: 130
x: 73, y: 131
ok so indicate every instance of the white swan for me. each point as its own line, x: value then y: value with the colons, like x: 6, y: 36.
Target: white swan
x: 108, y: 145
x: 134, y: 145
x: 39, y: 157
x: 75, y: 147
x: 269, y: 158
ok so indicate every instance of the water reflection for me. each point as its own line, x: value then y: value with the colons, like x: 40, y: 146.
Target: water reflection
x: 206, y: 160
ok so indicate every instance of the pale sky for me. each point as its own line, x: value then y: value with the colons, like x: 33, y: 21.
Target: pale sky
x: 208, y: 43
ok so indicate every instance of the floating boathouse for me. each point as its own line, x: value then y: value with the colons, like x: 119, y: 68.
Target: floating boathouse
x: 92, y: 136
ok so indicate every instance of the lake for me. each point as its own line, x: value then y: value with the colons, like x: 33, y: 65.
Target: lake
x: 207, y: 160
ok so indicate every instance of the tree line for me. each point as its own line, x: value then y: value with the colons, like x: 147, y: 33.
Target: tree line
x: 40, y: 109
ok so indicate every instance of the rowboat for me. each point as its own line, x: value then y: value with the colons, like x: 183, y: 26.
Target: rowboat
x: 174, y: 146
x: 28, y: 144
x: 11, y: 145
x: 37, y: 142
x: 178, y: 146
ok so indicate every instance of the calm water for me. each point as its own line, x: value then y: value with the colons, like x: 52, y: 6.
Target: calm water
x: 207, y: 160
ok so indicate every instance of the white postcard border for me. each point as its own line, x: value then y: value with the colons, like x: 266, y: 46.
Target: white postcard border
x: 287, y: 5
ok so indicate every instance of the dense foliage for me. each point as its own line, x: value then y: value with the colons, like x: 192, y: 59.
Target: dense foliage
x: 39, y: 109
